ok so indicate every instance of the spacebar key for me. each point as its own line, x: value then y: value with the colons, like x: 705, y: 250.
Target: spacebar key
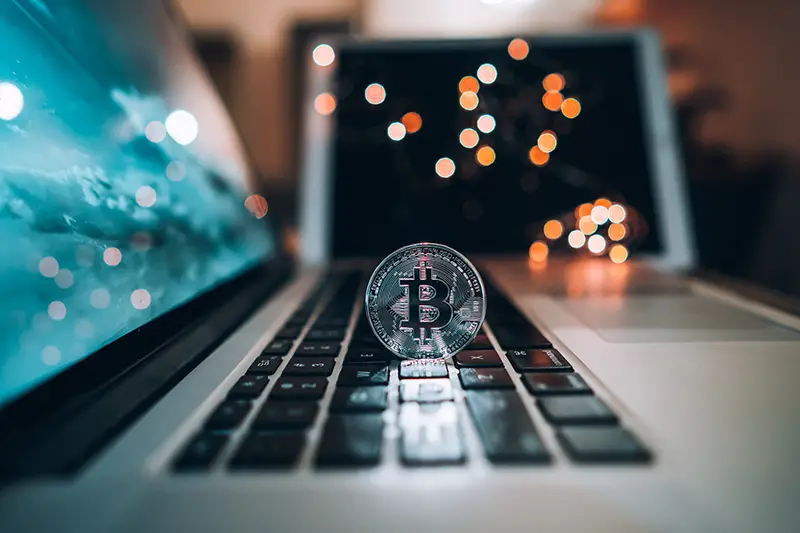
x: 505, y: 428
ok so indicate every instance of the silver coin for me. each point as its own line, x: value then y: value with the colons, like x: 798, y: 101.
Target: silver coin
x: 425, y: 301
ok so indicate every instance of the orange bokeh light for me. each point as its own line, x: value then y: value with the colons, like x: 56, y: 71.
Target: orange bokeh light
x: 518, y: 49
x: 375, y: 93
x: 553, y: 229
x: 468, y: 100
x: 587, y: 225
x: 583, y: 210
x: 468, y: 84
x: 616, y: 213
x: 445, y: 167
x: 256, y: 204
x: 605, y: 202
x: 485, y: 156
x: 552, y: 100
x: 571, y: 108
x: 412, y: 121
x: 616, y: 232
x: 538, y: 251
x: 547, y: 142
x: 325, y: 103
x: 538, y: 157
x: 553, y: 82
x: 618, y: 253
x: 468, y: 138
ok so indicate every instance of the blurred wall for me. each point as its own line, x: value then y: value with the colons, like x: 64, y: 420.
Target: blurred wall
x: 259, y: 105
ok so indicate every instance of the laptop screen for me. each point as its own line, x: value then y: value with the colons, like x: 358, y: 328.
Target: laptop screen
x: 480, y: 144
x: 122, y: 182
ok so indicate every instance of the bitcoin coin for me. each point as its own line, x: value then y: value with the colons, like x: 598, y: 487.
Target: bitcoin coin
x: 425, y: 301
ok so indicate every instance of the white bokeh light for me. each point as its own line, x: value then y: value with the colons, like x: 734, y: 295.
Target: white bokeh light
x: 176, y: 171
x: 48, y: 267
x: 100, y: 298
x: 487, y: 73
x: 155, y: 132
x: 11, y: 101
x: 140, y: 299
x: 323, y: 55
x: 396, y: 131
x: 112, y: 256
x: 51, y: 355
x: 84, y: 329
x: 486, y: 123
x: 64, y: 278
x: 57, y: 310
x: 182, y: 127
x: 596, y: 244
x: 146, y: 196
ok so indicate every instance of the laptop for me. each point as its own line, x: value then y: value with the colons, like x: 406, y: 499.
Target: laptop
x: 165, y: 369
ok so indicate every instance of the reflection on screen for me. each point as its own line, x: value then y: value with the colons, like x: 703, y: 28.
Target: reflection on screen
x: 508, y: 146
x: 122, y: 183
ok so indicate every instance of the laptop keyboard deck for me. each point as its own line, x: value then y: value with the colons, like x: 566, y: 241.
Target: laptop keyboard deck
x: 264, y: 422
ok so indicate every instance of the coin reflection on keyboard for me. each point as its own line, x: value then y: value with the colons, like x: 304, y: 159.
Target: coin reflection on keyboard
x: 425, y: 301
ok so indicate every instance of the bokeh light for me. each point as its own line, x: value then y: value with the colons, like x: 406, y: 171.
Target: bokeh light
x: 112, y: 256
x: 486, y: 123
x: 146, y: 196
x: 487, y: 73
x: 616, y: 213
x: 412, y: 121
x: 11, y: 101
x: 100, y: 298
x: 257, y: 205
x: 485, y: 156
x: 176, y: 171
x: 323, y: 55
x: 57, y: 310
x: 553, y: 82
x: 375, y: 93
x: 583, y: 210
x: 538, y: 157
x: 547, y: 142
x: 140, y: 299
x: 155, y: 131
x: 618, y: 254
x: 325, y: 103
x: 616, y: 232
x: 141, y: 241
x: 51, y: 355
x: 468, y: 138
x: 445, y: 167
x: 518, y: 49
x: 468, y: 84
x: 182, y: 127
x: 552, y: 101
x: 576, y: 238
x: 587, y: 225
x: 84, y: 328
x: 396, y: 131
x: 538, y: 251
x: 599, y: 215
x: 605, y: 202
x: 571, y: 108
x: 596, y: 244
x: 553, y: 229
x: 468, y: 100
x: 64, y: 279
x: 48, y: 267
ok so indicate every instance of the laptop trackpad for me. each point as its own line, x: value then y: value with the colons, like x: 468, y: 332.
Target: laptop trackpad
x: 682, y: 318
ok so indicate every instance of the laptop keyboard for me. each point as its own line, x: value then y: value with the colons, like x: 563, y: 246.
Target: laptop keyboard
x: 249, y: 432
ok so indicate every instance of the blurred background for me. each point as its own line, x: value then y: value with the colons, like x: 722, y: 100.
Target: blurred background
x: 733, y: 82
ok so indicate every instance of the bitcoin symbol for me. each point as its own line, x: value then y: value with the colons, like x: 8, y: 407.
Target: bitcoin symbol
x: 427, y: 303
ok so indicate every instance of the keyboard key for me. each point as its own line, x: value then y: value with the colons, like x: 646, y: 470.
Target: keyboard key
x: 485, y: 378
x: 298, y: 320
x: 268, y: 450
x: 358, y: 399
x: 426, y: 390
x: 430, y: 434
x: 279, y: 347
x: 481, y: 342
x: 355, y: 375
x: 576, y: 410
x: 200, y: 452
x: 265, y: 364
x: 333, y: 321
x: 520, y: 336
x: 249, y: 386
x: 366, y: 355
x: 504, y: 427
x: 538, y: 361
x: 286, y: 415
x: 546, y: 383
x: 602, y: 444
x: 288, y: 332
x: 309, y: 366
x: 478, y: 358
x: 228, y: 415
x: 366, y: 340
x: 351, y: 440
x: 325, y: 334
x: 330, y: 349
x: 299, y: 388
x: 423, y: 369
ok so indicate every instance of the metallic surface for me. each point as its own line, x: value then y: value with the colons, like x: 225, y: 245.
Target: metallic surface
x: 425, y: 301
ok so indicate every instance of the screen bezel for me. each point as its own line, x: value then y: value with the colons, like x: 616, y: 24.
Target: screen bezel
x: 669, y: 188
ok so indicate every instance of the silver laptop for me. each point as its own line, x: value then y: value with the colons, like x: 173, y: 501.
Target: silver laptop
x: 163, y: 370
